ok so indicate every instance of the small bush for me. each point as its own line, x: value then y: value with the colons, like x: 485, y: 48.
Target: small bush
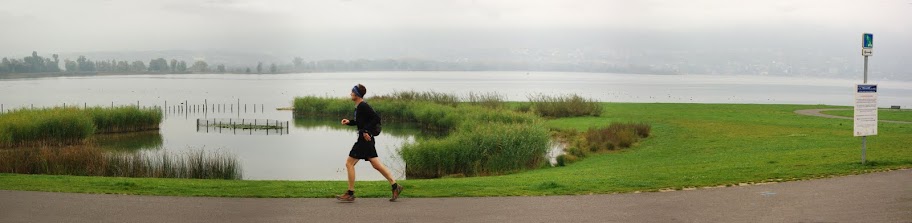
x: 564, y: 106
x: 613, y: 137
x: 566, y: 159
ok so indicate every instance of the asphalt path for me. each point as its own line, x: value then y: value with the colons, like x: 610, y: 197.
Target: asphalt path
x: 873, y: 197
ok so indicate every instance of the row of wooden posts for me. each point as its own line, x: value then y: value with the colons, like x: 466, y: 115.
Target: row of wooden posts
x: 284, y: 127
x: 213, y: 108
x: 185, y: 107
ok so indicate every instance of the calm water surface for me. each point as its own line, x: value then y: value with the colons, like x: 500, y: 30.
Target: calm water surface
x: 315, y: 149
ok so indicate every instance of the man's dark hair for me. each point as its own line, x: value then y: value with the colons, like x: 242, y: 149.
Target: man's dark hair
x: 362, y: 90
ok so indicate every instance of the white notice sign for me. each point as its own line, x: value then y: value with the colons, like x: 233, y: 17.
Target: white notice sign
x: 865, y: 109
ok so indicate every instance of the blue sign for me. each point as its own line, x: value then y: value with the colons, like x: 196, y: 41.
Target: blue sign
x: 867, y: 41
x: 867, y: 88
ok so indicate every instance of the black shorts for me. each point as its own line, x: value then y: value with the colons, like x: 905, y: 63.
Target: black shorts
x: 364, y: 149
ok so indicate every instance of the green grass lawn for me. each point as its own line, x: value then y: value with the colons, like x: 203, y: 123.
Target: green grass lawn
x: 692, y: 145
x: 882, y: 114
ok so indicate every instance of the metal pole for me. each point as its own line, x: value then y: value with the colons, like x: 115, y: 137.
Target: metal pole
x: 864, y: 139
x: 866, y: 70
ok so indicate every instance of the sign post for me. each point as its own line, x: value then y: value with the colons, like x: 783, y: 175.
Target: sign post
x: 865, y: 100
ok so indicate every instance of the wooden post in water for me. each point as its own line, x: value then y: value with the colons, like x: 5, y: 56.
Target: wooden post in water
x: 205, y: 105
x: 85, y: 105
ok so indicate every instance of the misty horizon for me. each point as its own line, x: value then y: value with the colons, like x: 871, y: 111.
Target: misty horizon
x: 686, y: 37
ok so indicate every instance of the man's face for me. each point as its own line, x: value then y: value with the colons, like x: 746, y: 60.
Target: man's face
x: 353, y: 96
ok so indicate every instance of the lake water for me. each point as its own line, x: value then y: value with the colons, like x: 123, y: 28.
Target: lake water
x: 315, y: 149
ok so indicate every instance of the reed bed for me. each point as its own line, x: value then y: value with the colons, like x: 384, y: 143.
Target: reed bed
x: 571, y: 105
x: 93, y: 161
x: 70, y: 125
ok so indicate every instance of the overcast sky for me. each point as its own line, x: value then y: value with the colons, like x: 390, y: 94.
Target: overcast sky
x: 277, y: 25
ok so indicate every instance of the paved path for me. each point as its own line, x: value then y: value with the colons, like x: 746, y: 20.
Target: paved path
x: 816, y: 112
x: 875, y: 197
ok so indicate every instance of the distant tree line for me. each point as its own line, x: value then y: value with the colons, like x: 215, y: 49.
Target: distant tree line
x: 38, y: 64
x: 31, y: 64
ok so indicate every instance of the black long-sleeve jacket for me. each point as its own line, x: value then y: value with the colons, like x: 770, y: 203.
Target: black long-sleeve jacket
x: 365, y: 118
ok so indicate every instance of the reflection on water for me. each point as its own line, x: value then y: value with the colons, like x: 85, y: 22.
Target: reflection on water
x: 306, y: 149
x: 133, y: 141
x: 397, y: 129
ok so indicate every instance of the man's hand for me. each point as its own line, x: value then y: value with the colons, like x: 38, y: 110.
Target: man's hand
x: 367, y: 137
x: 345, y: 121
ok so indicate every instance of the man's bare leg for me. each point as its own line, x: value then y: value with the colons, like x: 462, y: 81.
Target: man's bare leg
x: 350, y: 168
x: 375, y: 162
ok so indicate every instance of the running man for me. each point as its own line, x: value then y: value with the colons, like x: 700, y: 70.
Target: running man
x: 366, y: 119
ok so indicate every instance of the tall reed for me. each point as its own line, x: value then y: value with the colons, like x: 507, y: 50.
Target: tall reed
x: 44, y: 127
x: 71, y: 125
x: 564, y: 106
x: 93, y: 161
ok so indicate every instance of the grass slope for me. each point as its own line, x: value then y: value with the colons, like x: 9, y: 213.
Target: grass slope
x: 691, y: 145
